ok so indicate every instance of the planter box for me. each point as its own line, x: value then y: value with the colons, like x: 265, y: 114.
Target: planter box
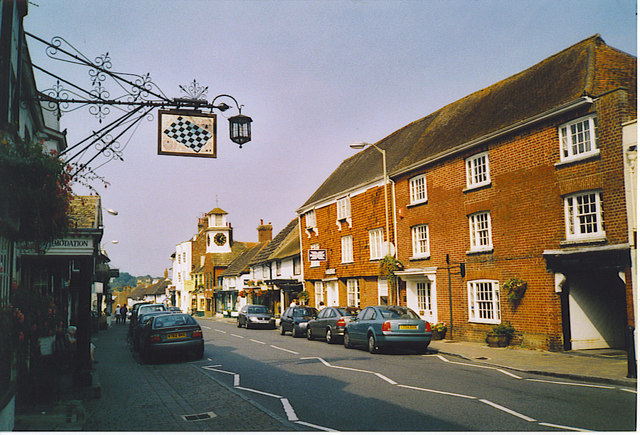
x: 497, y: 340
x: 438, y: 335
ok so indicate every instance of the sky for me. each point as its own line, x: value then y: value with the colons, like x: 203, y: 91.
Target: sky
x: 313, y: 75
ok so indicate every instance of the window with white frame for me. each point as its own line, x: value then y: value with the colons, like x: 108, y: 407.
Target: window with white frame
x: 480, y: 231
x: 278, y: 267
x: 314, y: 263
x: 319, y: 290
x: 297, y: 265
x: 344, y: 208
x: 484, y: 301
x: 478, y: 170
x: 420, y: 240
x: 423, y: 289
x: 418, y: 189
x: 347, y: 249
x: 353, y: 293
x: 375, y: 243
x: 310, y: 219
x: 579, y: 138
x: 584, y: 216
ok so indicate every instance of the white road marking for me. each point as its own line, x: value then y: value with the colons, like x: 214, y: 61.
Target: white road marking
x: 629, y: 391
x: 237, y: 336
x: 256, y: 341
x: 438, y: 392
x: 288, y: 409
x: 285, y: 350
x: 205, y: 327
x: 220, y: 330
x: 315, y: 426
x: 576, y: 384
x: 213, y: 369
x: 480, y: 366
x: 264, y: 393
x: 384, y: 378
x: 557, y: 426
x: 507, y: 410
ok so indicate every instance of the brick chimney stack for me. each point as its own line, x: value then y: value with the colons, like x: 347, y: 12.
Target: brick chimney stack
x: 265, y: 232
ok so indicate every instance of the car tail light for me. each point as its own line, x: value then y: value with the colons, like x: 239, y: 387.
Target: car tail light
x: 155, y: 338
x: 386, y: 326
x: 341, y: 323
x: 196, y: 334
x: 427, y: 327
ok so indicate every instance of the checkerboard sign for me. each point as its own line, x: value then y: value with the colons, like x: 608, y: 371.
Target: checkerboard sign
x: 186, y: 133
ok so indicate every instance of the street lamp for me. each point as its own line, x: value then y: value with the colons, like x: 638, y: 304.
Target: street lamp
x: 362, y: 145
x: 239, y: 125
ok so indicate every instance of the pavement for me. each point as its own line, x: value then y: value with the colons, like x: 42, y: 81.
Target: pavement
x: 162, y: 397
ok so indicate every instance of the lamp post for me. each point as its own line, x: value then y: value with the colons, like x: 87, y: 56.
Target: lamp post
x: 361, y: 145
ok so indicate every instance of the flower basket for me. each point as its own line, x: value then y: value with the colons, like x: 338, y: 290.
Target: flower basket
x: 438, y: 331
x: 515, y: 288
x: 500, y: 335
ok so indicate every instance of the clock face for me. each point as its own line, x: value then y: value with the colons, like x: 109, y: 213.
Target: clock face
x: 220, y: 239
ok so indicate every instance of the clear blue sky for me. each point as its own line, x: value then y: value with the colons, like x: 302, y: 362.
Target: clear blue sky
x: 314, y: 76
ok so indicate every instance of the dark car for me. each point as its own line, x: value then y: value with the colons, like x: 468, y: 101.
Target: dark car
x: 388, y: 326
x: 255, y: 315
x: 140, y: 309
x: 331, y: 322
x: 172, y: 333
x: 294, y: 320
x: 140, y: 324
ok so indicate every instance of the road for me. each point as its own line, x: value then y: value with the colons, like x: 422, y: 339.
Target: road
x: 318, y: 387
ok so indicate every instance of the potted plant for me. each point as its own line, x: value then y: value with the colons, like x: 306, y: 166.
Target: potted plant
x: 515, y: 288
x: 500, y: 335
x: 438, y: 331
x: 303, y: 296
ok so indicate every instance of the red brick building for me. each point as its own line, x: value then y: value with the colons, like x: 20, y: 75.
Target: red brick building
x: 523, y: 179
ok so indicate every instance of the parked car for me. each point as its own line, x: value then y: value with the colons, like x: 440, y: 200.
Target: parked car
x: 140, y: 324
x: 255, y: 315
x: 331, y: 322
x: 294, y: 320
x: 140, y: 309
x: 388, y: 326
x: 171, y: 333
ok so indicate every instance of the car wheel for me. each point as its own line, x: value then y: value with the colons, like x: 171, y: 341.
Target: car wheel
x: 294, y: 331
x: 282, y: 331
x: 238, y: 324
x: 347, y: 341
x: 371, y: 344
x: 199, y: 353
x: 247, y: 325
x: 309, y: 334
x: 329, y: 336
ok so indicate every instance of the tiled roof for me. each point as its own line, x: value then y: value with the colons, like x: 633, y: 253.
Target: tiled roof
x: 276, y: 242
x: 241, y: 264
x: 588, y: 68
x: 217, y: 210
x: 85, y: 212
x: 158, y: 288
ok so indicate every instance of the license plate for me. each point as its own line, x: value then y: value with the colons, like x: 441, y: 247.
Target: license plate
x: 176, y: 335
x: 407, y: 326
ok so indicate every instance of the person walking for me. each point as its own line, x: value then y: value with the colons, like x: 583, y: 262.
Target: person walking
x: 117, y: 312
x: 123, y: 314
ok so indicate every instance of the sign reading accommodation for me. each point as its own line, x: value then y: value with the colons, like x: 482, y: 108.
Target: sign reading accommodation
x: 317, y: 255
x: 186, y: 133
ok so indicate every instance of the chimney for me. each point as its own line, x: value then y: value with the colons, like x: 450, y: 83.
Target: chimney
x: 264, y: 232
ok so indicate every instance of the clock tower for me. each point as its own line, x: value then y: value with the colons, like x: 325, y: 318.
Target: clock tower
x: 218, y: 232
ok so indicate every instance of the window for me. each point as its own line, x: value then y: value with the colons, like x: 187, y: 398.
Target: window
x: 424, y: 295
x: 584, y: 215
x: 278, y: 267
x: 420, y: 238
x: 480, y: 230
x: 418, y: 189
x: 484, y: 301
x: 347, y: 249
x: 297, y: 269
x: 478, y: 170
x: 310, y: 219
x: 314, y: 263
x: 344, y: 208
x: 375, y: 243
x: 319, y: 289
x: 579, y: 138
x: 353, y: 293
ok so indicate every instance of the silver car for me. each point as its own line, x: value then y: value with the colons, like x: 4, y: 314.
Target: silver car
x: 331, y: 322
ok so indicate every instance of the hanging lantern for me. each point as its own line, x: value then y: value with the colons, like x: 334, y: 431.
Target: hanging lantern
x: 240, y: 129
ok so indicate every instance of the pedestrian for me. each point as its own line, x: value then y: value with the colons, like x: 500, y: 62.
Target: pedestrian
x: 294, y: 303
x: 118, y: 314
x: 321, y: 305
x: 123, y: 314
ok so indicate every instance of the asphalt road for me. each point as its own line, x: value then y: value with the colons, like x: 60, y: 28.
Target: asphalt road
x: 318, y: 386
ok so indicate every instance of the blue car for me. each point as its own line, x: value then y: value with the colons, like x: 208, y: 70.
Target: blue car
x: 388, y: 326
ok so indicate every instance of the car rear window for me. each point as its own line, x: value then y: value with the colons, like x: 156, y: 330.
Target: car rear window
x: 304, y: 312
x: 349, y: 311
x: 257, y: 310
x: 398, y: 313
x: 151, y: 309
x: 173, y: 320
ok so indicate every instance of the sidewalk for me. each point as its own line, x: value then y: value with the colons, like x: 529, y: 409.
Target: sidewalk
x: 602, y: 365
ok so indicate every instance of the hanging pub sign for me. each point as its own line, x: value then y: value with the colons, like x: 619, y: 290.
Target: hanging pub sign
x: 186, y: 133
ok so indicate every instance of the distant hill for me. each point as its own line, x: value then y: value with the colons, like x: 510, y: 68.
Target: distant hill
x: 126, y: 280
